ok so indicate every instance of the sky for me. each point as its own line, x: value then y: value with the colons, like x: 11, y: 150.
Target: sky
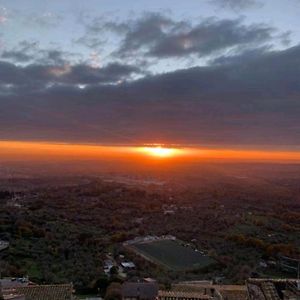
x: 213, y: 73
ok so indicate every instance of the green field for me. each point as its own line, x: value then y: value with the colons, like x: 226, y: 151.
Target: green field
x: 173, y: 255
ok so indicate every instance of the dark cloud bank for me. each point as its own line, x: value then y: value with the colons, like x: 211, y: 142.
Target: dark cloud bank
x: 251, y: 97
x: 159, y: 36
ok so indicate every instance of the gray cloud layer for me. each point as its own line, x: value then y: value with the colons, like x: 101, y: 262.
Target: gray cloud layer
x: 78, y: 74
x: 161, y: 37
x: 252, y: 99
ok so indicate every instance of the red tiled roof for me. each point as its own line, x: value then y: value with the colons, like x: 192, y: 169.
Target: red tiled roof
x: 187, y: 295
x: 46, y: 292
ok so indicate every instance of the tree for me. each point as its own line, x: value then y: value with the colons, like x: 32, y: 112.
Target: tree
x: 101, y: 284
x: 113, y: 270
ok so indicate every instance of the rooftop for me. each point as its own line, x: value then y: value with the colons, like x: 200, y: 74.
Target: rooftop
x: 41, y: 292
x: 183, y: 295
x: 273, y: 289
x: 7, y: 283
x: 141, y: 290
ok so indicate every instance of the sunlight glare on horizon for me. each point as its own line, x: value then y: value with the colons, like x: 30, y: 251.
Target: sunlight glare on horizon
x: 10, y: 150
x: 160, y: 152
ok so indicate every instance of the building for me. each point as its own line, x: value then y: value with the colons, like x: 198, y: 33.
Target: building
x: 22, y: 289
x: 47, y: 292
x: 12, y: 282
x: 11, y: 295
x: 273, y: 289
x: 7, y: 291
x: 108, y: 264
x: 198, y: 290
x: 177, y: 295
x: 128, y: 265
x: 139, y: 291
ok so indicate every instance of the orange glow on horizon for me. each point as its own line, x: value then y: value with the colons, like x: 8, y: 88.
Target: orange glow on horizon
x: 18, y: 150
x: 161, y: 152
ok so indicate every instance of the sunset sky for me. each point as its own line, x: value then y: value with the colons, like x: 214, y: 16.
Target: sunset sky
x: 218, y: 74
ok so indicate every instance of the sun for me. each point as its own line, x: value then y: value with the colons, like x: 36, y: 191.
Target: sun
x: 159, y: 151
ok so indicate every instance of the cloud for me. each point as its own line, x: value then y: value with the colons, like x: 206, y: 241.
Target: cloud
x: 95, y: 30
x: 209, y: 37
x: 16, y: 56
x: 45, y: 19
x: 236, y: 4
x: 3, y: 15
x: 156, y: 35
x: 90, y: 41
x: 41, y: 75
x: 54, y: 56
x: 24, y: 52
x: 27, y: 52
x: 242, y: 100
x: 245, y: 56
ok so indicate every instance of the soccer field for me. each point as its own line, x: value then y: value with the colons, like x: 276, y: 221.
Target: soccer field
x: 172, y: 255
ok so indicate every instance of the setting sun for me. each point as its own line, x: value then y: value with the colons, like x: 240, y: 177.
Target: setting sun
x: 160, y: 151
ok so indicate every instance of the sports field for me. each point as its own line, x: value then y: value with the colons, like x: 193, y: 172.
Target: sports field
x: 172, y: 255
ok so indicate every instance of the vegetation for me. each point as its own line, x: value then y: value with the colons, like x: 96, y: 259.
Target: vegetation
x: 63, y: 232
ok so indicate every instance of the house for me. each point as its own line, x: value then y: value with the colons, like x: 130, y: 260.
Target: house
x: 128, y: 265
x: 269, y: 289
x: 46, y: 292
x: 203, y: 289
x: 13, y: 297
x: 12, y: 282
x: 108, y: 264
x: 139, y: 291
x: 22, y: 289
x: 230, y: 292
x: 177, y: 295
x: 10, y: 295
